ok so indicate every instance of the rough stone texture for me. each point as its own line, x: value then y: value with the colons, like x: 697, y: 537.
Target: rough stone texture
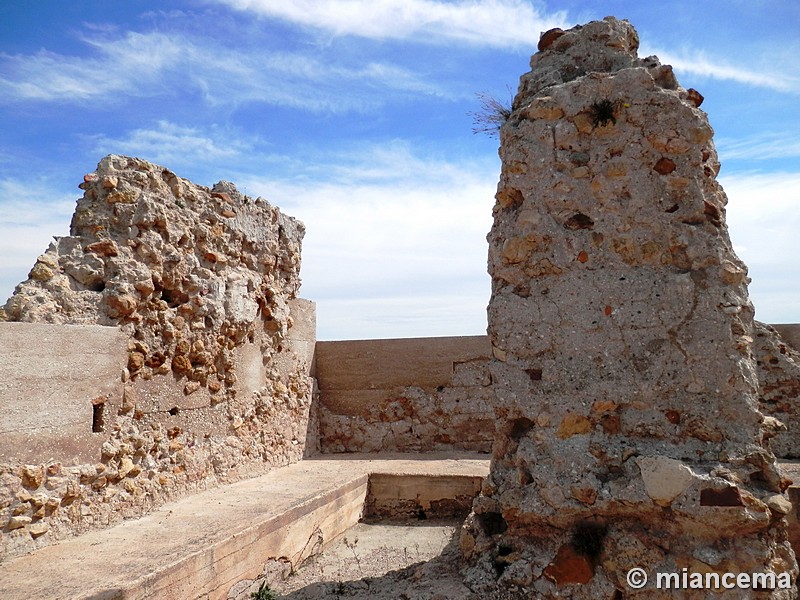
x: 432, y: 394
x: 405, y: 395
x: 183, y: 269
x: 215, y: 385
x: 623, y: 334
x: 779, y: 389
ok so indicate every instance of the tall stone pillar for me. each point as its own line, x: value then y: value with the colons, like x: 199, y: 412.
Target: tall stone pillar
x: 621, y: 327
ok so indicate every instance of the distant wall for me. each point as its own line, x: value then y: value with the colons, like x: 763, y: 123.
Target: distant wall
x: 425, y: 394
x: 420, y: 394
x: 777, y: 352
x: 790, y: 332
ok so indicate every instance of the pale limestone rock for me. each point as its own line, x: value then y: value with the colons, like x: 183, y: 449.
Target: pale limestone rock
x: 38, y: 529
x: 664, y: 478
x: 779, y: 504
x: 32, y: 476
x: 125, y: 467
x: 18, y: 522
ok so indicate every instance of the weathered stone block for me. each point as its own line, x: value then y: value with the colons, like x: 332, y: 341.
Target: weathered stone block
x: 635, y: 318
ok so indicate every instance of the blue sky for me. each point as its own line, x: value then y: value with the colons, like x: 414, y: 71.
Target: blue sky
x: 352, y: 115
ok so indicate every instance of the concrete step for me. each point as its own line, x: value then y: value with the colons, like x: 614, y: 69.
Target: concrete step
x: 201, y: 545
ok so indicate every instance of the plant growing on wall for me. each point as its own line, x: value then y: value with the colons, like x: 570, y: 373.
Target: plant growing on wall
x: 264, y: 592
x: 492, y: 115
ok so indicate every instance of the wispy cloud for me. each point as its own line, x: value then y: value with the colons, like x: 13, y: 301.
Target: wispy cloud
x: 171, y: 144
x: 766, y: 146
x: 134, y: 64
x: 700, y: 64
x: 155, y: 64
x: 493, y: 23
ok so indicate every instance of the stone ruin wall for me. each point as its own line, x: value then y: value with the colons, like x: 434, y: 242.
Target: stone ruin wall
x: 405, y: 395
x: 778, y: 362
x: 436, y: 394
x: 630, y: 433
x: 198, y: 280
x: 214, y: 384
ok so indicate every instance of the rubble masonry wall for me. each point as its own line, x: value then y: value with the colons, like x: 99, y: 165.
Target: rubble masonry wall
x: 202, y: 375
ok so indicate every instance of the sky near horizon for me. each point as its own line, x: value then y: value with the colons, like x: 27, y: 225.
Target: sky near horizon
x: 352, y: 115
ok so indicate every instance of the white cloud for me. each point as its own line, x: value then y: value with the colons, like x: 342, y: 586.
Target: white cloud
x: 764, y: 146
x: 171, y: 144
x: 396, y: 247
x: 698, y: 63
x: 155, y: 64
x: 764, y: 217
x: 494, y: 23
x: 392, y: 317
x: 33, y: 212
x: 133, y: 64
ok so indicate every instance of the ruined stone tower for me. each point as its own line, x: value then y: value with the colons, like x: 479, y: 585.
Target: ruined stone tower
x: 622, y: 333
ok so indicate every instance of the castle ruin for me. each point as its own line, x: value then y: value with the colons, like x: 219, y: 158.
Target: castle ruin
x: 632, y: 407
x: 623, y: 338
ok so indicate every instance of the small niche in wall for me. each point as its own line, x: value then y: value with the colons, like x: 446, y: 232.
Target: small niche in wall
x: 98, y: 408
x: 173, y: 411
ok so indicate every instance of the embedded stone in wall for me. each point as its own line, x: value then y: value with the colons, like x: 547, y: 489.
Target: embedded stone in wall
x: 622, y: 334
x: 201, y: 284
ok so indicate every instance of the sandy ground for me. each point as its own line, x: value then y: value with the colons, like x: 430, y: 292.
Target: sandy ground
x: 367, y: 550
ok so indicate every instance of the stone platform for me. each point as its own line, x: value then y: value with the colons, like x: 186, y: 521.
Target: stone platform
x: 202, y: 545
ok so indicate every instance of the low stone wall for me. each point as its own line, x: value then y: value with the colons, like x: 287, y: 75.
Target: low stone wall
x: 406, y: 497
x: 426, y: 394
x: 407, y: 395
x: 777, y: 351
